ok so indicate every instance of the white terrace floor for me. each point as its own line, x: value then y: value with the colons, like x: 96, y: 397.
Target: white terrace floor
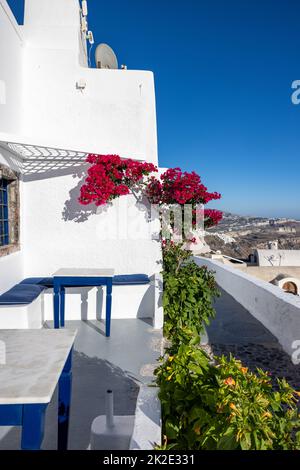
x: 120, y: 363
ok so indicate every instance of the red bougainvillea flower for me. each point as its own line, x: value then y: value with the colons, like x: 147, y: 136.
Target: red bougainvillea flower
x: 212, y: 217
x: 177, y: 187
x: 154, y: 190
x: 110, y: 176
x: 209, y: 217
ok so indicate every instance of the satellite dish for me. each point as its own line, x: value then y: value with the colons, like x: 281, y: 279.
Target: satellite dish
x: 105, y: 57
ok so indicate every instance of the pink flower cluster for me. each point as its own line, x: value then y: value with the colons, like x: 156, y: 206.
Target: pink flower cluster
x: 209, y: 217
x: 177, y: 187
x: 110, y: 176
x: 212, y: 217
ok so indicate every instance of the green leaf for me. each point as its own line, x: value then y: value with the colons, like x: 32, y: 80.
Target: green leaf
x: 227, y: 441
x: 171, y: 430
x: 246, y: 441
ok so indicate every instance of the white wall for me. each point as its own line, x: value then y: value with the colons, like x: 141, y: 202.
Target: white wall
x: 54, y: 24
x: 11, y: 87
x: 277, y: 257
x: 276, y: 310
x: 53, y: 234
x: 11, y: 47
x: 115, y: 236
x: 51, y: 13
x: 114, y: 114
x: 11, y: 271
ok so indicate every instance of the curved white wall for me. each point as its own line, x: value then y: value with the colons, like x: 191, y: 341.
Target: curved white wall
x: 276, y: 310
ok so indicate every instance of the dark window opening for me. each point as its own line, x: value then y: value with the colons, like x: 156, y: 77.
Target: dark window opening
x: 9, y: 211
x: 4, y: 228
x: 290, y: 288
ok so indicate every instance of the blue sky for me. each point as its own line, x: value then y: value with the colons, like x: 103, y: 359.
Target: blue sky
x: 223, y: 73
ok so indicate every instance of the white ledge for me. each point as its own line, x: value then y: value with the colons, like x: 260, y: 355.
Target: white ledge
x: 278, y: 311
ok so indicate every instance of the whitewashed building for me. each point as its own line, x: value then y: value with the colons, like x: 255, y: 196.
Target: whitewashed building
x: 54, y: 110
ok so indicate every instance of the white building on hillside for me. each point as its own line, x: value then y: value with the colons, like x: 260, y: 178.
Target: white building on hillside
x: 54, y: 110
x: 275, y: 257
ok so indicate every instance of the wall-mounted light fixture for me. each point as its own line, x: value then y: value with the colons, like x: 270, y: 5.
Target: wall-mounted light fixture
x: 81, y: 85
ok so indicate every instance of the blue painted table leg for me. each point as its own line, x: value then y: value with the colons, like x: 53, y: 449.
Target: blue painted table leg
x: 62, y: 306
x: 33, y: 426
x: 64, y: 402
x: 108, y: 307
x: 56, y: 303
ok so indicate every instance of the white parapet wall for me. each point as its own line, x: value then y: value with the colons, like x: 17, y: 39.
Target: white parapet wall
x: 275, y: 309
x: 147, y: 425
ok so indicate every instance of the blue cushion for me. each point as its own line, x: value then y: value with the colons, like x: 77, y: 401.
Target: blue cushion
x: 130, y: 279
x: 41, y: 281
x: 21, y: 294
x: 119, y: 280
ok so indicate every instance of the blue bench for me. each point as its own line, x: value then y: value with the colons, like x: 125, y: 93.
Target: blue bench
x: 21, y: 294
x: 30, y: 288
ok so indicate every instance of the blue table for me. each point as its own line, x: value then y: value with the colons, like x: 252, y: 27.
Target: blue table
x: 33, y: 362
x: 81, y: 277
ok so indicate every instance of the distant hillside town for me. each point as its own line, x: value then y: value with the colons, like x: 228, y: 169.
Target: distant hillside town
x: 238, y: 236
x: 267, y: 249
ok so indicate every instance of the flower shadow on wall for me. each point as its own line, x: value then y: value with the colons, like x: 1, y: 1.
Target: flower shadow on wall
x: 107, y: 178
x: 73, y: 210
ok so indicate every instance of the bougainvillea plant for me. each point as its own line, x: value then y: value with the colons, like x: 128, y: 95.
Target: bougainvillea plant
x: 177, y: 187
x: 110, y: 176
x: 212, y: 217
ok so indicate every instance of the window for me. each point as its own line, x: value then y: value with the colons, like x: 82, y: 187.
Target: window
x: 9, y: 211
x: 4, y: 229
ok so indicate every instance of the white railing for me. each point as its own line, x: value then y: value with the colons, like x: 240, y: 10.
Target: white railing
x: 278, y: 311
